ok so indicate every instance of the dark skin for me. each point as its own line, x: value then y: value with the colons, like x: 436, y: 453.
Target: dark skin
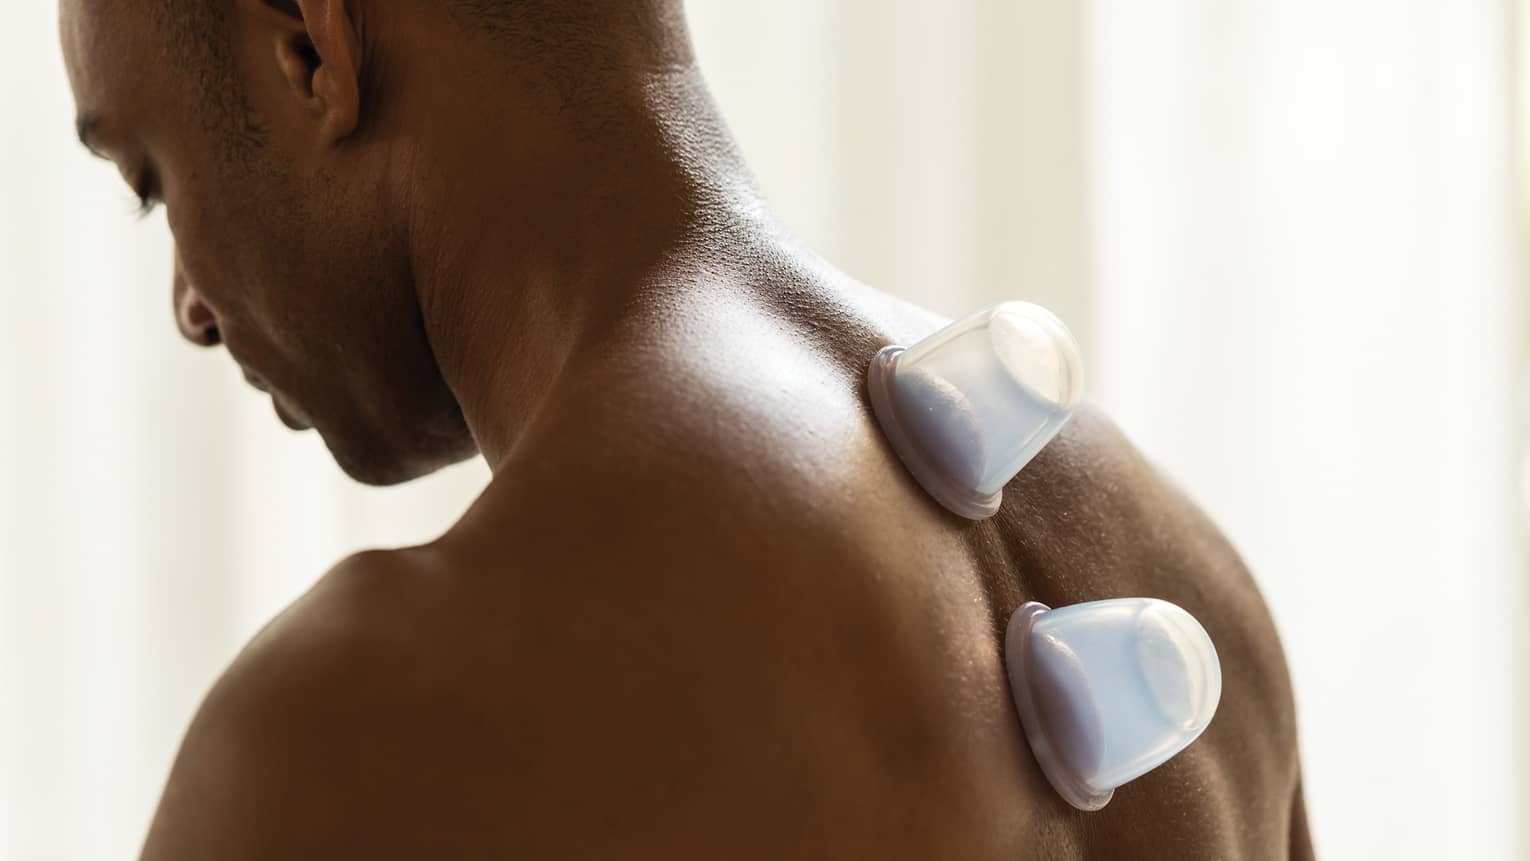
x: 701, y: 610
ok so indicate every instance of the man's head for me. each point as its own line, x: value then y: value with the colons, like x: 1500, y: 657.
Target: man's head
x: 284, y: 138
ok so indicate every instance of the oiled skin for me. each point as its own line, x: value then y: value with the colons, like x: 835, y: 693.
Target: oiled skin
x: 703, y: 612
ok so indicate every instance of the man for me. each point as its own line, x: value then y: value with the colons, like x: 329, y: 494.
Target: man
x: 701, y: 611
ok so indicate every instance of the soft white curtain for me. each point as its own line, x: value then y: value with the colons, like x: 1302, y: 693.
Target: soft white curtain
x: 1308, y: 263
x: 1286, y: 233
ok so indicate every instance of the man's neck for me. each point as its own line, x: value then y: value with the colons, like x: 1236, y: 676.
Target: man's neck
x: 531, y: 239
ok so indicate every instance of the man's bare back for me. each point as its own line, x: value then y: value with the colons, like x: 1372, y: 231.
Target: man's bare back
x: 701, y: 611
x: 705, y: 613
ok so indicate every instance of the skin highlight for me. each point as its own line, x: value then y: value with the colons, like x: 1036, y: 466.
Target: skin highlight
x: 700, y: 611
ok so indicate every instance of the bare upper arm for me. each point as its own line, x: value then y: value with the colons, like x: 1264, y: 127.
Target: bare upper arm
x: 403, y: 710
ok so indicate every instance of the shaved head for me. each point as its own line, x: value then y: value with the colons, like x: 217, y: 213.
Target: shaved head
x: 570, y: 40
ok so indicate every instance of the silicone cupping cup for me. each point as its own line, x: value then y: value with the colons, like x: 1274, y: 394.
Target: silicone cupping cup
x: 1106, y: 690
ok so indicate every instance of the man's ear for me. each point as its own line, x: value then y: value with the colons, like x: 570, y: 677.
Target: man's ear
x: 318, y: 49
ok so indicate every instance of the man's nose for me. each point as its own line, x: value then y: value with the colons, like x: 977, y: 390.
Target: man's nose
x: 195, y: 319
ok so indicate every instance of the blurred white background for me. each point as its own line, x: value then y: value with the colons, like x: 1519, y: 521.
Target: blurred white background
x: 1289, y: 234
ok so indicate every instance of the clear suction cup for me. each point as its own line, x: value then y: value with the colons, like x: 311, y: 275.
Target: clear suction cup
x: 1109, y: 690
x: 968, y: 407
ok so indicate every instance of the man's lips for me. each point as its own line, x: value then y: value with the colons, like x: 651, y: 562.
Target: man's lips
x: 289, y: 417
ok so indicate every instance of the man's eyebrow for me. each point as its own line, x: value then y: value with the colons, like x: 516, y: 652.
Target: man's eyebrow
x: 85, y: 127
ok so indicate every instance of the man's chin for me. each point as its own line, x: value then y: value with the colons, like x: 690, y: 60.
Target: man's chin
x: 389, y: 469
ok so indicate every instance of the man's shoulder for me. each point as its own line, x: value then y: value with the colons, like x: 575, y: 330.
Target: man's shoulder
x: 411, y: 706
x: 304, y: 725
x: 635, y: 626
x: 402, y: 709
